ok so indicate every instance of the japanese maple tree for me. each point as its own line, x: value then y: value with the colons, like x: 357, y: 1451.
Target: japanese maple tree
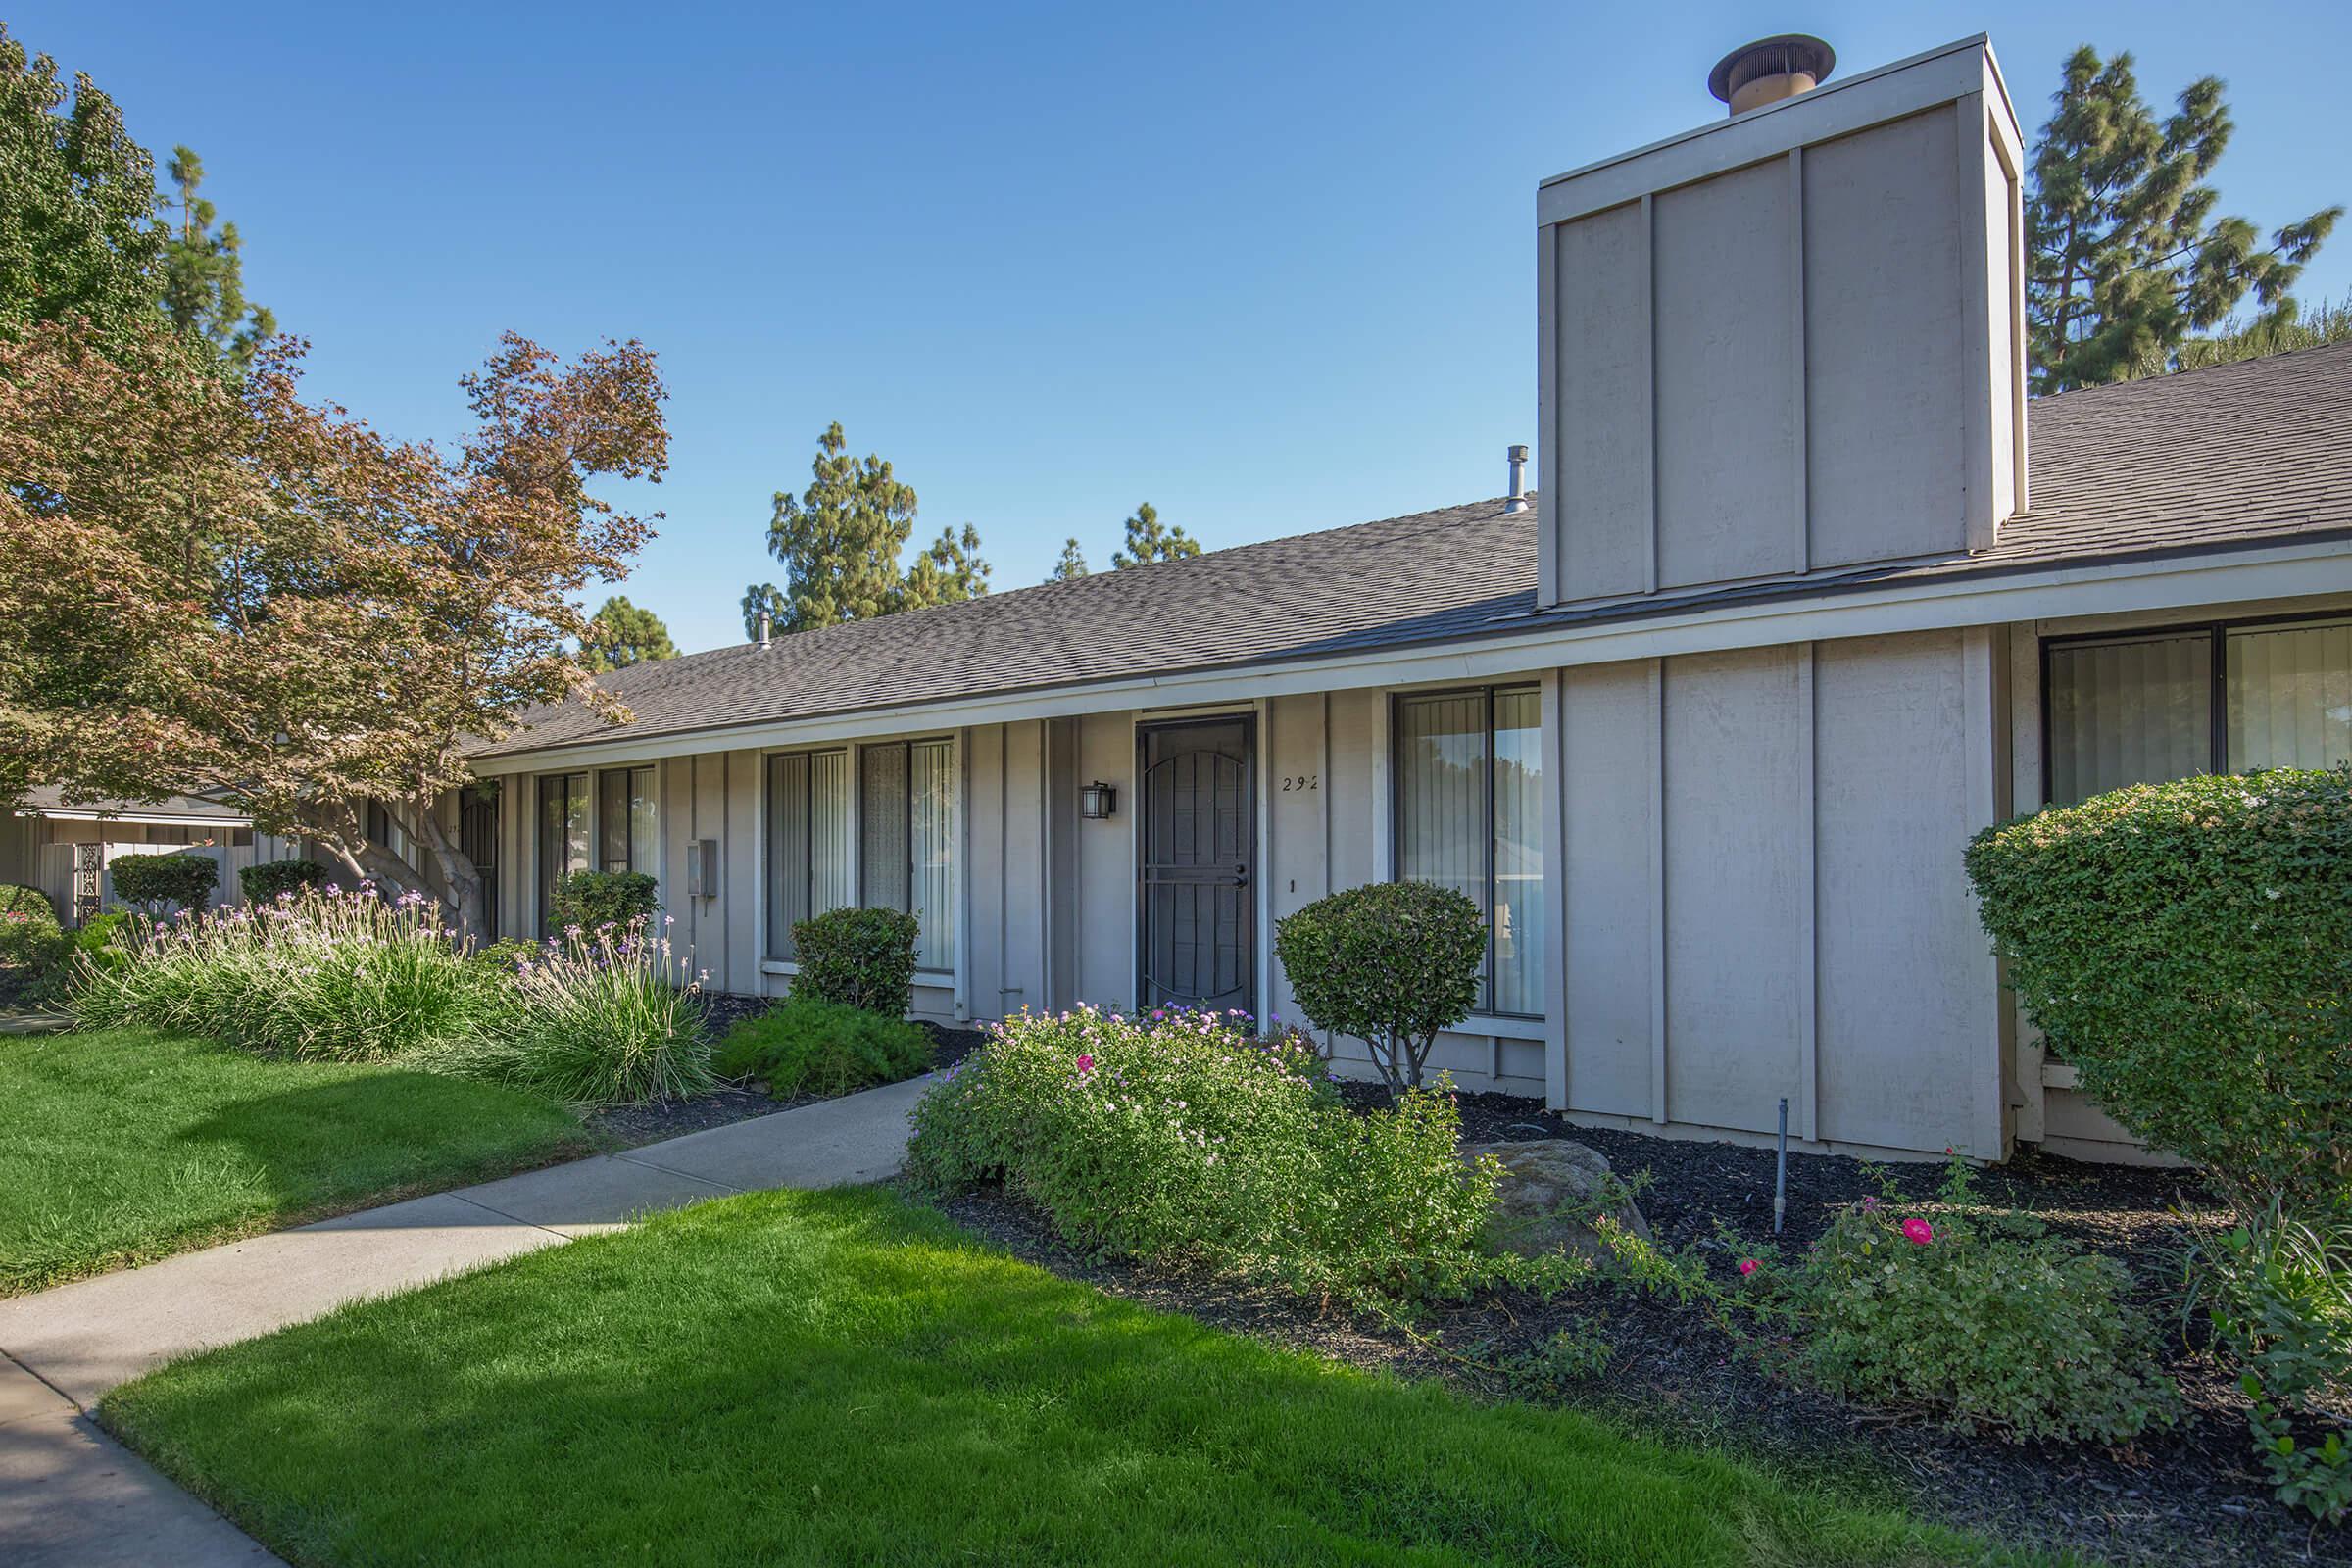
x: 220, y: 588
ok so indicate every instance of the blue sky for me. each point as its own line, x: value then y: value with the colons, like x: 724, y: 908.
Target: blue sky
x: 1270, y: 268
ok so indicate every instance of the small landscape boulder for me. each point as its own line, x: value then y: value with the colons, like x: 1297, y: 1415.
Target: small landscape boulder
x: 1551, y: 1192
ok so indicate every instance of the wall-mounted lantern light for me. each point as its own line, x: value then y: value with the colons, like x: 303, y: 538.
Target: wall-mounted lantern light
x: 1096, y: 801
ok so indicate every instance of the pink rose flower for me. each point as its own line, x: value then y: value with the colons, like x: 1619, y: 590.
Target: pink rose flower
x: 1747, y: 1266
x: 1919, y: 1232
x: 1086, y: 1063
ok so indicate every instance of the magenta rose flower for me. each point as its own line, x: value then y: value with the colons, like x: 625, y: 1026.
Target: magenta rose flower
x: 1747, y: 1266
x: 1918, y: 1232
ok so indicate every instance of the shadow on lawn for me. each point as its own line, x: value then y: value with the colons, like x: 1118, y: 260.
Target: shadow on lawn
x: 381, y: 1133
x: 833, y: 1377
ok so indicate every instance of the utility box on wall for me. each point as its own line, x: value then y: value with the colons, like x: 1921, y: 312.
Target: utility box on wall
x: 702, y: 869
x: 1786, y: 342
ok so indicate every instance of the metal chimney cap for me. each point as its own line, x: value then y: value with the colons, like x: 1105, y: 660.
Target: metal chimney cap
x: 1786, y: 53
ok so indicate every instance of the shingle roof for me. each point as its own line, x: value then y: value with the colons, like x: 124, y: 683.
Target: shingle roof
x: 2203, y: 461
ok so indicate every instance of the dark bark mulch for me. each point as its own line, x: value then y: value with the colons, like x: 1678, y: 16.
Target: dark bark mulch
x: 2191, y: 1494
x: 630, y: 1126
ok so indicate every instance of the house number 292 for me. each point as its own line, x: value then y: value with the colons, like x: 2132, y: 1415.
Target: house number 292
x: 1303, y: 781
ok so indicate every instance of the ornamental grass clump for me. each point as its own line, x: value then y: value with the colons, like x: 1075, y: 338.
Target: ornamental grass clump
x: 326, y: 976
x: 591, y: 1017
x: 597, y: 1017
x: 1185, y: 1139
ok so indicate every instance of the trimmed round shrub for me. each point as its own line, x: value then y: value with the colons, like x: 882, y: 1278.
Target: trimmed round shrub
x: 594, y: 900
x: 29, y: 935
x: 1389, y: 962
x: 2187, y: 948
x: 273, y: 877
x: 858, y: 957
x: 809, y: 1047
x: 152, y: 881
x: 1189, y: 1140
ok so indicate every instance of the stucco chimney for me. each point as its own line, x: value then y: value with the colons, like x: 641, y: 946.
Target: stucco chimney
x: 1515, y: 499
x: 1770, y: 70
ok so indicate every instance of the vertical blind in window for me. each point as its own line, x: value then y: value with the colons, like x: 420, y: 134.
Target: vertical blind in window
x: 563, y: 833
x: 2136, y: 711
x: 882, y: 828
x: 931, y: 817
x: 2291, y: 696
x: 1469, y: 816
x: 807, y: 841
x: 2140, y: 709
x: 626, y: 820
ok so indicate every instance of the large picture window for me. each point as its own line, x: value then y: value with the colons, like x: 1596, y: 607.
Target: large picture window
x: 627, y: 824
x: 903, y: 830
x: 1469, y: 816
x: 564, y: 846
x: 807, y: 841
x: 2151, y: 706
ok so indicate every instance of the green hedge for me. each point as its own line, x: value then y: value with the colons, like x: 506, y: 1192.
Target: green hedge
x: 152, y: 881
x: 589, y: 900
x: 270, y: 878
x: 2187, y: 948
x: 858, y: 957
x: 30, y: 937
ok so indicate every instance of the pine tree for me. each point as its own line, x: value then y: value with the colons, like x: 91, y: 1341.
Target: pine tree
x: 840, y: 540
x: 77, y: 205
x: 948, y: 572
x: 1072, y: 564
x: 620, y: 635
x: 760, y: 596
x: 1147, y: 542
x: 203, y: 274
x: 2126, y: 257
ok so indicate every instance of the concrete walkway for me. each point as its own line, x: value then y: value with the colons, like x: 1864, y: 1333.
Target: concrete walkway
x: 70, y: 1494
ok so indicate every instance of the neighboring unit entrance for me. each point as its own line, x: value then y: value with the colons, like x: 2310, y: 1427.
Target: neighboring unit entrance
x: 1199, y: 830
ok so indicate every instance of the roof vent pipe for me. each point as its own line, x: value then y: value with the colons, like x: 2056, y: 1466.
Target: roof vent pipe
x: 1770, y: 70
x: 1516, y: 500
x: 764, y: 628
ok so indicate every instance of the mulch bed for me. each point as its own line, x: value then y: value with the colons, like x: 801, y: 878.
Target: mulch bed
x: 631, y: 1126
x: 2191, y: 1494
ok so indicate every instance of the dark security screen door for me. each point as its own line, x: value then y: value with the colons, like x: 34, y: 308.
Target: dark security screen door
x: 1199, y: 911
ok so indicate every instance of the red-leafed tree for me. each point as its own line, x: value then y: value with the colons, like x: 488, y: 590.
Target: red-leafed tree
x: 220, y: 588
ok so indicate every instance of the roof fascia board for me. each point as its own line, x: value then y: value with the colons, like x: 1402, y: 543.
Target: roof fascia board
x: 2277, y: 572
x: 56, y: 814
x: 1839, y: 109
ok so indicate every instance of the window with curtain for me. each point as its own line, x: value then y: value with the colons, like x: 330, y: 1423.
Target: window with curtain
x: 807, y: 841
x: 628, y: 826
x: 1469, y: 816
x: 907, y: 814
x: 564, y: 846
x: 2140, y: 709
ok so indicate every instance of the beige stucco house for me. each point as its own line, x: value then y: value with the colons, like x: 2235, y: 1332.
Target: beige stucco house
x: 1808, y: 592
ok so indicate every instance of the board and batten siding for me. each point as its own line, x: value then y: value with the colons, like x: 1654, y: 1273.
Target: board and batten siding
x: 1764, y: 892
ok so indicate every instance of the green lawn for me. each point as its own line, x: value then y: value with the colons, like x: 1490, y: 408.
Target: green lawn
x: 122, y: 1146
x: 837, y: 1377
